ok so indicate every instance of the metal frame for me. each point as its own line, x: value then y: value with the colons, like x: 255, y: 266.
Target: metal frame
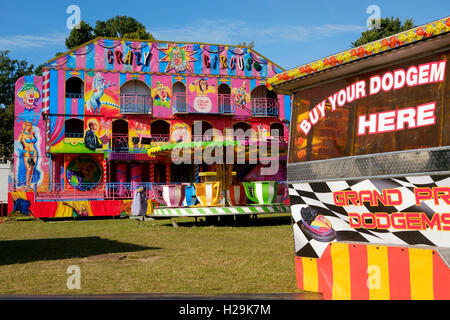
x: 381, y: 165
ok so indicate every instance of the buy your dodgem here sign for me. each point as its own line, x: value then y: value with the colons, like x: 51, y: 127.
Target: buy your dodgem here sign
x: 395, y: 120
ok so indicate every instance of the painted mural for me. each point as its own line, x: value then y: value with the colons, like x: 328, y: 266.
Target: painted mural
x: 161, y: 95
x: 30, y: 160
x: 202, y: 96
x: 83, y: 172
x: 181, y: 132
x: 102, y: 92
x: 93, y: 142
x: 179, y: 58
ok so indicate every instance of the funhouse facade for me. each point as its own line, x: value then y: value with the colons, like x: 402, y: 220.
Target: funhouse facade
x: 187, y: 122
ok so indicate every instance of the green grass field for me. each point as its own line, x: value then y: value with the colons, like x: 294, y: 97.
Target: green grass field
x: 125, y: 256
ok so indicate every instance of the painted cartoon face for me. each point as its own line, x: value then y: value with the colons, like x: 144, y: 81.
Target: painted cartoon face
x: 180, y: 134
x: 177, y: 57
x: 28, y: 127
x: 203, y: 85
x: 30, y: 97
x: 29, y: 93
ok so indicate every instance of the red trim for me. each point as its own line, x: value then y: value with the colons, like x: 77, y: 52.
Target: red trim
x: 299, y: 272
x: 441, y: 278
x: 325, y: 270
x: 358, y: 271
x: 399, y: 275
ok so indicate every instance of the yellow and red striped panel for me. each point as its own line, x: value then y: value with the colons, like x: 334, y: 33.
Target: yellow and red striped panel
x: 362, y: 272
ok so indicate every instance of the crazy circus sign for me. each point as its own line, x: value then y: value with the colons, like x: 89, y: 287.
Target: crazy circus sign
x: 411, y: 117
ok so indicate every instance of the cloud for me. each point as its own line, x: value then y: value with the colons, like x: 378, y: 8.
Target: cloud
x: 228, y: 31
x: 30, y: 41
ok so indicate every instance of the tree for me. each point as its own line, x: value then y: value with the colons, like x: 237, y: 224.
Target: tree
x: 10, y: 71
x: 388, y: 27
x: 80, y: 35
x: 122, y: 27
x: 7, y: 133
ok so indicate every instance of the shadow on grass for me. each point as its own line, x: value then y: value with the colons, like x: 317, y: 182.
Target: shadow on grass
x: 23, y: 251
x: 234, y: 221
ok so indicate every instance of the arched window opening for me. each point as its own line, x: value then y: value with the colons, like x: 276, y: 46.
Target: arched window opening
x: 179, y: 97
x: 120, y: 135
x: 241, y: 131
x: 160, y: 130
x: 203, y: 127
x: 74, y: 88
x: 74, y: 128
x: 277, y: 131
x: 224, y: 99
x: 264, y: 102
x: 135, y: 98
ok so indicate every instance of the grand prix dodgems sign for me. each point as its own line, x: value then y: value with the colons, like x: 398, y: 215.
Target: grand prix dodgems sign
x: 393, y: 211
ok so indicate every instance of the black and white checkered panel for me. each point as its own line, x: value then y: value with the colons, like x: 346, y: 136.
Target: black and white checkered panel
x: 319, y: 195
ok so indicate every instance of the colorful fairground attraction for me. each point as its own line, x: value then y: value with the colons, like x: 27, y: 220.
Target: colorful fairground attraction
x: 369, y: 168
x: 191, y: 129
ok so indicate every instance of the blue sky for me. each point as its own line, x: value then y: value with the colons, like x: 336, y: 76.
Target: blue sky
x: 290, y: 33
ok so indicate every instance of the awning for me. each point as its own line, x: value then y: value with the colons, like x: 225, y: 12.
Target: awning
x: 191, y: 145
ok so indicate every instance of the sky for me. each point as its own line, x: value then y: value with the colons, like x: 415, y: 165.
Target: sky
x: 289, y: 33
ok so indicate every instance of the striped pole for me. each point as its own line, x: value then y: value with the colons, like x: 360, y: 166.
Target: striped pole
x: 197, y: 173
x: 152, y: 172
x: 46, y: 105
x: 45, y: 91
x: 105, y: 172
x: 167, y: 173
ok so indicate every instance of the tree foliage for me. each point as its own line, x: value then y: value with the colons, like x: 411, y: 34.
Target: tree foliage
x: 10, y: 71
x: 122, y: 27
x: 388, y: 27
x: 6, y: 133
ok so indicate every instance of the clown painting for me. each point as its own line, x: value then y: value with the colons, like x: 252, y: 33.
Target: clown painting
x: 28, y: 157
x: 30, y: 96
x: 241, y: 97
x: 161, y: 95
x: 178, y: 58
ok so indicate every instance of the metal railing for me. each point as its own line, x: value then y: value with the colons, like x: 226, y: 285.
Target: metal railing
x: 119, y: 143
x: 111, y: 191
x: 73, y: 134
x: 225, y: 103
x: 136, y: 103
x: 74, y: 95
x: 179, y: 104
x: 160, y: 138
x: 266, y: 107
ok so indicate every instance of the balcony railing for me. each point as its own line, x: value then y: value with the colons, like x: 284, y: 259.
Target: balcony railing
x: 74, y: 134
x: 74, y: 95
x: 264, y: 107
x: 119, y: 143
x: 135, y: 103
x: 226, y: 105
x: 159, y: 138
x: 180, y: 105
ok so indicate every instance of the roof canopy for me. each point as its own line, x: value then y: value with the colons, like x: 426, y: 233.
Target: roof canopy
x: 162, y: 57
x: 287, y: 81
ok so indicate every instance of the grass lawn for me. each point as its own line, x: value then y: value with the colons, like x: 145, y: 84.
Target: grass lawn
x: 125, y: 256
